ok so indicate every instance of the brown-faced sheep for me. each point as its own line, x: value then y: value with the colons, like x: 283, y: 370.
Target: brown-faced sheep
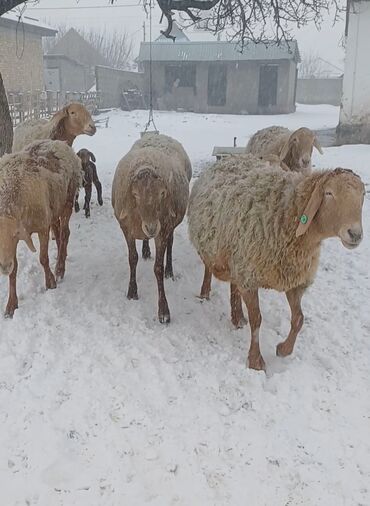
x: 90, y: 176
x: 261, y: 227
x: 293, y: 148
x: 172, y: 148
x: 66, y: 124
x: 149, y: 196
x: 37, y: 190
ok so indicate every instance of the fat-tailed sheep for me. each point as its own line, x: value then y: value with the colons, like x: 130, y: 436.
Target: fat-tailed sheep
x: 293, y: 148
x: 257, y: 226
x: 37, y: 190
x: 149, y: 196
x: 172, y: 148
x: 65, y: 125
x: 90, y: 176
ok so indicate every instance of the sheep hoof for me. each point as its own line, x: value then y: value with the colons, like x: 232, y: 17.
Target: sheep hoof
x: 132, y: 295
x: 256, y: 363
x: 283, y: 350
x: 77, y: 207
x: 169, y: 274
x: 59, y: 274
x: 164, y: 317
x: 9, y: 312
x: 146, y: 254
x: 100, y: 202
x: 87, y: 214
x: 239, y: 323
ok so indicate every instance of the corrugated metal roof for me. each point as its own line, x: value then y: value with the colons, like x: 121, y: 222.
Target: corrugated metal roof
x: 218, y: 51
x: 12, y: 19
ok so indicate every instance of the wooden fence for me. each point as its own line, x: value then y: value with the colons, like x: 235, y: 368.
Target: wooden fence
x: 43, y: 104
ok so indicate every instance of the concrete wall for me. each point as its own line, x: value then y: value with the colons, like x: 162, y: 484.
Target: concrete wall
x: 354, y: 125
x: 22, y: 69
x: 72, y: 75
x: 111, y: 82
x: 319, y: 91
x: 241, y: 93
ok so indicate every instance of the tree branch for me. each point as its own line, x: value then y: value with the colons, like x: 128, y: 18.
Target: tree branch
x: 7, y: 5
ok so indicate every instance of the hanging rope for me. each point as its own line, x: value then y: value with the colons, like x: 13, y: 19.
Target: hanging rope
x: 151, y: 116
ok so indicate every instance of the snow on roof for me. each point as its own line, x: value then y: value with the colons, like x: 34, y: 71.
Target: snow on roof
x: 12, y: 19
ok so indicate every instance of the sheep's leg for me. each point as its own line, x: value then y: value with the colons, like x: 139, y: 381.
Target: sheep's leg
x: 133, y: 258
x: 255, y: 360
x: 146, y: 249
x: 56, y: 230
x: 169, y: 269
x: 294, y: 299
x: 160, y: 248
x: 206, y: 285
x: 44, y: 259
x: 12, y: 304
x: 98, y: 186
x: 237, y: 316
x: 88, y: 187
x: 77, y: 205
x: 64, y: 237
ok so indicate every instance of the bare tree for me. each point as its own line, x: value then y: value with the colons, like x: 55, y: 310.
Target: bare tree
x: 311, y: 67
x: 115, y: 46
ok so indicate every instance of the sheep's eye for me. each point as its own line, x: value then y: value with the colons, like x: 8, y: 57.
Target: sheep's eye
x: 328, y: 193
x: 72, y: 112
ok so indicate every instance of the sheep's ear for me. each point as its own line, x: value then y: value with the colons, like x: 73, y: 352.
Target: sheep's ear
x: 92, y: 156
x: 63, y: 113
x: 23, y: 235
x: 305, y: 219
x: 317, y: 145
x: 285, y: 149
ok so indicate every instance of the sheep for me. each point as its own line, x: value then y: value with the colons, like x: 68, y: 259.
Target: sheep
x: 37, y: 190
x: 66, y: 124
x: 90, y: 176
x: 173, y: 148
x: 257, y: 226
x: 293, y: 148
x: 149, y: 196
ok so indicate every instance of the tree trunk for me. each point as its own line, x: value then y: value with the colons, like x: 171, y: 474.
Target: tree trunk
x: 6, y: 126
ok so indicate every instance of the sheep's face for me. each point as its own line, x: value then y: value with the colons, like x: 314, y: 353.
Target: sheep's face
x: 10, y: 233
x: 342, y: 208
x: 79, y: 120
x: 299, y: 149
x: 149, y: 193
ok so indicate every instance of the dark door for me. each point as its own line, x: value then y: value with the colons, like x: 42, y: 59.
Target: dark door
x: 268, y: 85
x: 217, y: 84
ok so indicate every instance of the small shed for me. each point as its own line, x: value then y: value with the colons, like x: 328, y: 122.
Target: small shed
x: 217, y: 77
x: 63, y: 74
x: 21, y: 55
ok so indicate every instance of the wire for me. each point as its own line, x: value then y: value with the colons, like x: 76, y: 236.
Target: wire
x: 82, y: 7
x: 151, y: 117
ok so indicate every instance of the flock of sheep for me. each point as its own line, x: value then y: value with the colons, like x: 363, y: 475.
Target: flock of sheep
x: 257, y: 220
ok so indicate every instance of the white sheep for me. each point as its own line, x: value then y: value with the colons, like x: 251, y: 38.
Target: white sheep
x: 257, y: 226
x: 37, y: 190
x: 149, y: 196
x: 293, y: 148
x: 65, y: 125
x: 172, y: 148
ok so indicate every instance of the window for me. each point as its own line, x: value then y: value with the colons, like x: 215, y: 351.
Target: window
x: 180, y: 75
x: 217, y: 84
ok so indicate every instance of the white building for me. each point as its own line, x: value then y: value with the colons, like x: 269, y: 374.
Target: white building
x: 354, y: 124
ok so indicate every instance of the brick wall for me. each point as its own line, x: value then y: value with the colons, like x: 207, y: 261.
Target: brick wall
x: 21, y: 66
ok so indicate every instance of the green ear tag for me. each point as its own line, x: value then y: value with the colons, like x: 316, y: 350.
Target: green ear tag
x: 303, y: 219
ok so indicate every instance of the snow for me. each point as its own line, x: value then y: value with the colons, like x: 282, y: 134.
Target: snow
x: 100, y: 405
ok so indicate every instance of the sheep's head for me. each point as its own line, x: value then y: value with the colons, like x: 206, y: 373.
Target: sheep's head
x: 76, y: 120
x: 85, y: 155
x: 336, y: 205
x: 149, y: 192
x: 297, y: 151
x: 11, y: 231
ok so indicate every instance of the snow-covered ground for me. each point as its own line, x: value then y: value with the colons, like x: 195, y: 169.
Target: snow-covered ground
x: 100, y: 405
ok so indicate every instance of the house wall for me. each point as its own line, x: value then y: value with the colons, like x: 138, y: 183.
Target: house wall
x: 110, y: 83
x: 241, y: 93
x: 354, y: 124
x: 21, y: 66
x: 72, y: 75
x: 320, y: 91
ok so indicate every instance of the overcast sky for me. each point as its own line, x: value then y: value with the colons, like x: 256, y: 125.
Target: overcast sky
x: 130, y: 17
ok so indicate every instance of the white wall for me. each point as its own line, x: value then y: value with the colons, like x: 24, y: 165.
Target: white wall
x: 356, y: 82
